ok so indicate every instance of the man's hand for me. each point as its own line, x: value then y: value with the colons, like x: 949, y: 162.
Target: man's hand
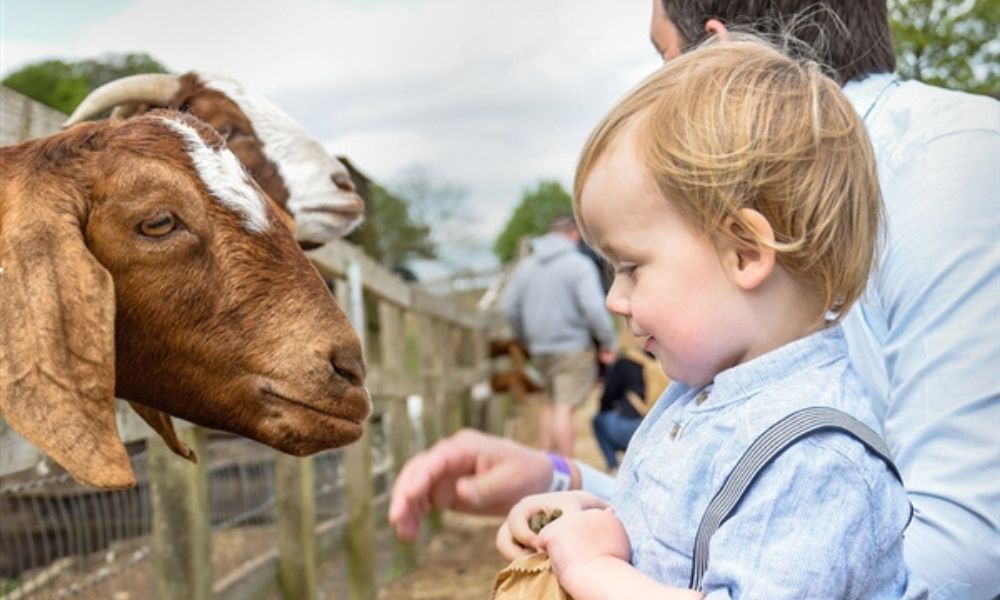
x: 472, y: 472
x: 606, y: 356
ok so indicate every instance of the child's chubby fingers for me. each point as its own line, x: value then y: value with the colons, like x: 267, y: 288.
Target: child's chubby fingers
x: 509, y: 547
x: 519, y: 520
x: 525, y: 512
x: 519, y: 534
x: 585, y: 534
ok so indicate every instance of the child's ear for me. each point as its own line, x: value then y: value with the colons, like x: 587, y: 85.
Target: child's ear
x: 748, y: 252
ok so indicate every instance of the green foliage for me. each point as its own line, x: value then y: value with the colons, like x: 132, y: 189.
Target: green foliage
x: 52, y: 82
x: 8, y: 585
x: 392, y: 231
x: 532, y: 217
x: 947, y: 43
x: 400, y: 236
x: 62, y: 85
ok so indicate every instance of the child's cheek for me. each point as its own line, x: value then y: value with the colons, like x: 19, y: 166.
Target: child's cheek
x: 688, y: 353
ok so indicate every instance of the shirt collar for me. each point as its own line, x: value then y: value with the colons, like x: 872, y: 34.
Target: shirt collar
x: 864, y: 93
x: 775, y: 366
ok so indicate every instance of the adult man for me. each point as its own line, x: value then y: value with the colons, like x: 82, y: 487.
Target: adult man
x: 924, y: 337
x: 555, y: 305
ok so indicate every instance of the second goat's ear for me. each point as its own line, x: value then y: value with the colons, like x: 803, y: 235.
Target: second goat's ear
x: 57, y: 344
x: 748, y: 249
x: 162, y: 424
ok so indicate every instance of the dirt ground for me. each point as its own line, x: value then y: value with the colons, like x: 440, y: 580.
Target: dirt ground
x: 460, y: 563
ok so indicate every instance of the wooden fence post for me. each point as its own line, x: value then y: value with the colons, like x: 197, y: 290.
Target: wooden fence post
x: 480, y: 407
x: 360, y: 534
x: 393, y: 354
x: 450, y: 409
x: 430, y: 367
x: 296, y: 521
x: 181, y: 524
x: 359, y: 537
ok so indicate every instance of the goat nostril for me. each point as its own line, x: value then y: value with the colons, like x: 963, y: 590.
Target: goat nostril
x: 351, y: 371
x: 343, y: 182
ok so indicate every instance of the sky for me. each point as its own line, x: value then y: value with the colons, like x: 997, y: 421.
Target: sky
x: 488, y: 96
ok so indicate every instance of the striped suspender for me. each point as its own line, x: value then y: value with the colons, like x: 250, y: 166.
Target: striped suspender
x: 761, y: 452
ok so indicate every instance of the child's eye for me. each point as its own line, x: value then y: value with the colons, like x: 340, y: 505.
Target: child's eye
x: 624, y: 270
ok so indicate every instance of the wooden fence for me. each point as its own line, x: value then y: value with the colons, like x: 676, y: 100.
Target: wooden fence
x: 425, y: 357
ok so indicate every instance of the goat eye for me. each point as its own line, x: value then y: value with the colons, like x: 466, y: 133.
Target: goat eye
x: 158, y: 226
x: 231, y: 133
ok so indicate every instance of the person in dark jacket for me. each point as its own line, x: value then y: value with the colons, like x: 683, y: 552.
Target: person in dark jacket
x: 632, y: 384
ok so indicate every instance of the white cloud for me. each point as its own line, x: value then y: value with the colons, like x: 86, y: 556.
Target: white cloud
x: 492, y: 96
x: 384, y: 151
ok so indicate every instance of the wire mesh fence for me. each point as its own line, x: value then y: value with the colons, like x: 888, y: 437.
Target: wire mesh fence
x: 59, y: 539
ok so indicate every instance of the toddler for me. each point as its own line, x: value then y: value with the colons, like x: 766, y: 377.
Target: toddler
x: 735, y: 194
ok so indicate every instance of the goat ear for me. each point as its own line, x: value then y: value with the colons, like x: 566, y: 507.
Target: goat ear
x: 57, y: 343
x: 161, y: 423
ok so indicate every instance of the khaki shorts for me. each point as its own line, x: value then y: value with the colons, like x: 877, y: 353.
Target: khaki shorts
x: 568, y: 376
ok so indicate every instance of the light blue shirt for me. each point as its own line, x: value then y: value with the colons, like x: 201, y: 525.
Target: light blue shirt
x: 824, y: 520
x: 926, y: 338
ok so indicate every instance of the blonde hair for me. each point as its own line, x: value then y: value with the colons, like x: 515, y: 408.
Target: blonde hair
x: 736, y: 124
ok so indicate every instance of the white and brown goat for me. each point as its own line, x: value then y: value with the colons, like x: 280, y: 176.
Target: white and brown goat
x: 138, y: 259
x: 289, y: 164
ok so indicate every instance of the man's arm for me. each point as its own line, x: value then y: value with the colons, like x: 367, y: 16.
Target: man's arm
x: 477, y: 473
x: 472, y: 472
x: 511, y: 301
x: 938, y: 292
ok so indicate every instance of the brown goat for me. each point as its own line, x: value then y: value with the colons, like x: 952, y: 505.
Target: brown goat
x: 138, y: 259
x: 291, y: 166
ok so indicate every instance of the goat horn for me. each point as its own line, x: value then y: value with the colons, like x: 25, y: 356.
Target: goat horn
x: 154, y: 88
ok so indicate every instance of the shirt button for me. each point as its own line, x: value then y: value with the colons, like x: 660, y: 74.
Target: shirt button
x: 701, y: 398
x: 675, y: 430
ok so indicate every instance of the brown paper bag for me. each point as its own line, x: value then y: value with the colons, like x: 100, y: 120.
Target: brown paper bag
x: 528, y: 578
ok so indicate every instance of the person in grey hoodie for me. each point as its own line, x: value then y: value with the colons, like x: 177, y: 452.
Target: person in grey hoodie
x: 555, y: 305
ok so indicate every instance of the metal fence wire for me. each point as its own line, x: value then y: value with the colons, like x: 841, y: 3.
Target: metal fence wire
x: 59, y: 539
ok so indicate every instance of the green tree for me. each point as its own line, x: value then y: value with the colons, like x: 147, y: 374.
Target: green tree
x: 532, y: 217
x: 62, y: 85
x: 390, y: 234
x: 52, y: 82
x: 948, y: 43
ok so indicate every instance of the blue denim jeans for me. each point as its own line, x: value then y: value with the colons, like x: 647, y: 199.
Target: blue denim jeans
x: 613, y: 432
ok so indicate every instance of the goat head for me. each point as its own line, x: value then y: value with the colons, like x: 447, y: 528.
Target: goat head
x: 137, y: 258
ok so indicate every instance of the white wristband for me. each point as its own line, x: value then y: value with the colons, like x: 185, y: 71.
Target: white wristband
x: 594, y: 481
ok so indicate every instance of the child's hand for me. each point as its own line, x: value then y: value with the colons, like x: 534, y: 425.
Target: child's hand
x: 574, y: 540
x: 516, y: 538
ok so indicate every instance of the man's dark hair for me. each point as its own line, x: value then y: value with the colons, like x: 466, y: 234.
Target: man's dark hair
x: 851, y: 37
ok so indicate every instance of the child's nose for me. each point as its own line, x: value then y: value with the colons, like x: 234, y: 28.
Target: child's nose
x: 616, y: 301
